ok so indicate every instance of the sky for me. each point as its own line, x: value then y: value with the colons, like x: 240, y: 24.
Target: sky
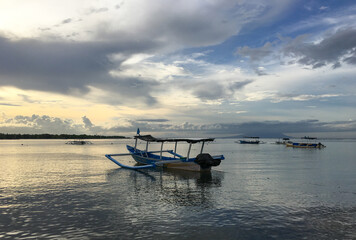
x: 179, y: 68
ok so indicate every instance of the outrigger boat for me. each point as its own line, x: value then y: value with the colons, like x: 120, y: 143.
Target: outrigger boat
x: 284, y: 141
x: 249, y: 140
x: 78, y: 142
x: 152, y: 159
x: 306, y: 144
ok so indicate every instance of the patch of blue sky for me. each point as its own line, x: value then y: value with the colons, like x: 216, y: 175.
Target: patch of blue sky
x: 303, y: 17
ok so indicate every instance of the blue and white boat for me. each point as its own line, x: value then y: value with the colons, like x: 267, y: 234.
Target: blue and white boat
x: 311, y: 143
x: 249, y: 140
x: 152, y: 159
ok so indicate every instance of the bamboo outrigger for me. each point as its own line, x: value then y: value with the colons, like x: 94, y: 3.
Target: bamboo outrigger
x: 152, y: 159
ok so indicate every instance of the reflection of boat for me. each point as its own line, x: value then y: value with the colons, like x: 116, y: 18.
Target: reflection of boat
x: 167, y: 186
x: 250, y: 140
x: 78, y: 142
x: 151, y: 159
x: 306, y: 144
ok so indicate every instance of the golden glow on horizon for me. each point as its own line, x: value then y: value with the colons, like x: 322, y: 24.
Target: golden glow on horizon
x: 14, y: 102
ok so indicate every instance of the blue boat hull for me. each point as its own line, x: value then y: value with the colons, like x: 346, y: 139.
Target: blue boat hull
x: 249, y: 142
x: 179, y: 162
x: 305, y: 145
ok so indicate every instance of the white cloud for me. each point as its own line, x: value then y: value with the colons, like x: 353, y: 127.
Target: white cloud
x: 143, y: 67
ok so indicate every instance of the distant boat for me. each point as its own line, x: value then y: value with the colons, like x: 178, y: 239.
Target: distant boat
x: 306, y: 144
x: 152, y: 159
x: 309, y: 138
x: 78, y: 142
x: 249, y: 140
x: 283, y: 141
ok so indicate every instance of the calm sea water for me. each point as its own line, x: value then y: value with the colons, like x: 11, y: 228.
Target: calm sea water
x: 50, y: 190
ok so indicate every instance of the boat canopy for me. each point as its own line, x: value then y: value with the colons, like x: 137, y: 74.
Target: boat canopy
x: 149, y: 138
x: 310, y: 138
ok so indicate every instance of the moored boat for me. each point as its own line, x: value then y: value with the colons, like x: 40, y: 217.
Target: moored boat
x: 283, y: 141
x: 306, y: 144
x: 78, y: 142
x: 152, y: 159
x: 249, y: 140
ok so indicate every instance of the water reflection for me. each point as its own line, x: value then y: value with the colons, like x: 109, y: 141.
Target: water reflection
x: 182, y: 188
x: 56, y: 191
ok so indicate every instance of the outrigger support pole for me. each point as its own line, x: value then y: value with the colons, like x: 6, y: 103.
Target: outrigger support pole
x: 135, y: 144
x: 160, y: 155
x: 202, y: 147
x: 190, y: 146
x: 109, y: 156
x: 175, y: 149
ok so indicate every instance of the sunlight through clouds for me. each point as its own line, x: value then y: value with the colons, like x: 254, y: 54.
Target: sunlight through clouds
x: 196, y: 64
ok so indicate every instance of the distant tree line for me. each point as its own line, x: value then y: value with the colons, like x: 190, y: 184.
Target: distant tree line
x: 54, y: 136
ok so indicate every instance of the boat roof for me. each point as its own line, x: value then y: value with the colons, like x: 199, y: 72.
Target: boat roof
x: 306, y: 137
x: 149, y: 138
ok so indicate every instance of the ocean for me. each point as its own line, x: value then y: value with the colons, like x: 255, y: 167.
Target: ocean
x: 51, y: 190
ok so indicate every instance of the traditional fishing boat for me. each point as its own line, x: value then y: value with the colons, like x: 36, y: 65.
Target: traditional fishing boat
x: 78, y: 142
x: 152, y: 159
x: 306, y: 144
x: 249, y: 140
x: 284, y: 141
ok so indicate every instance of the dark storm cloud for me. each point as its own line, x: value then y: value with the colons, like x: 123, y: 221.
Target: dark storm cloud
x: 70, y: 67
x: 333, y: 49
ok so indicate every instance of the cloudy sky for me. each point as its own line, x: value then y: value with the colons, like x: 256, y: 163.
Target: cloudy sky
x: 180, y: 68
